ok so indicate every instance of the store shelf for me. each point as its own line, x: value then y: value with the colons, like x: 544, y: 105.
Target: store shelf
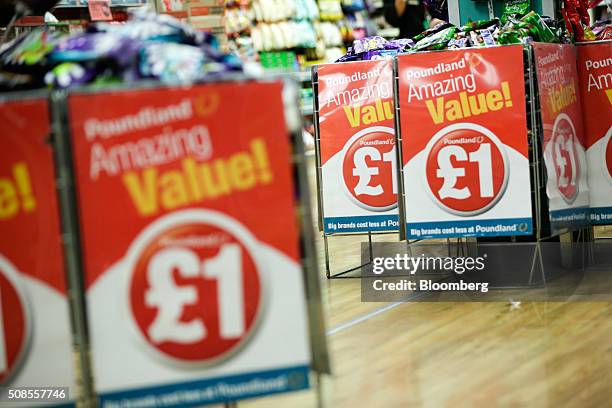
x: 303, y: 76
x: 307, y: 110
x: 73, y: 5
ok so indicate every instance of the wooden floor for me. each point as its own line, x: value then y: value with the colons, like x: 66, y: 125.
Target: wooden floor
x: 457, y: 354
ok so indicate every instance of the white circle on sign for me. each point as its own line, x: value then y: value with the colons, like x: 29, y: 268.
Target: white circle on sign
x: 196, y: 218
x: 344, y: 152
x: 498, y: 144
x: 606, y: 162
x: 568, y: 196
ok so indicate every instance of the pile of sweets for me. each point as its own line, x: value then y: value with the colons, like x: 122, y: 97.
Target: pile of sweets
x: 517, y: 26
x: 148, y: 46
x: 577, y: 19
x: 375, y: 48
x: 602, y: 30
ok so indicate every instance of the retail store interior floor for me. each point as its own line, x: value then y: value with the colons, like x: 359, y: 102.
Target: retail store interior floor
x: 494, y: 354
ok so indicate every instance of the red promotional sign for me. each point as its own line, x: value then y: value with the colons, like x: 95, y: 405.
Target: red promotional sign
x: 357, y: 146
x: 464, y: 135
x: 32, y: 287
x: 563, y: 138
x: 594, y: 70
x: 595, y: 75
x: 187, y: 208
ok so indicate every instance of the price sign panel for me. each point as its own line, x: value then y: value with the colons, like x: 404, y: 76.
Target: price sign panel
x: 191, y: 244
x: 563, y: 139
x: 464, y: 143
x: 35, y: 341
x: 357, y: 147
x: 595, y: 74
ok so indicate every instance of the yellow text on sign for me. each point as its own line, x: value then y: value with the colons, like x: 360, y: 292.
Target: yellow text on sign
x: 469, y: 105
x: 152, y: 191
x: 16, y: 192
x: 561, y: 97
x: 379, y: 111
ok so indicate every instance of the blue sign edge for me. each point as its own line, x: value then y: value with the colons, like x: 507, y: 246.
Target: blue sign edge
x: 528, y: 222
x: 296, y: 378
x: 360, y: 219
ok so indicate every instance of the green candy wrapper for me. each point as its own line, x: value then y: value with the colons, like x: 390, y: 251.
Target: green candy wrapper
x: 515, y: 7
x: 479, y: 25
x: 539, y: 29
x: 514, y: 31
x: 513, y: 36
x: 432, y: 31
x: 437, y: 41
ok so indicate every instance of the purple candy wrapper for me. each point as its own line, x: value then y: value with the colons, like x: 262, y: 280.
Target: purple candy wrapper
x: 147, y: 46
x: 368, y: 44
x: 487, y: 37
x: 349, y: 58
x: 96, y: 46
x: 172, y: 62
x: 401, y: 43
x: 458, y: 43
x: 379, y: 54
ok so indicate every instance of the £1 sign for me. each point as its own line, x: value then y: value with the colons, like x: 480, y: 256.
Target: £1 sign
x: 369, y: 169
x: 13, y: 321
x: 466, y: 169
x: 195, y: 292
x: 565, y: 157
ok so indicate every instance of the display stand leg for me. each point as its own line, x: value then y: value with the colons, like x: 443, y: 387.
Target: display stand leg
x: 408, y: 247
x: 537, y: 167
x: 319, y: 390
x: 461, y: 247
x: 73, y: 258
x: 581, y: 240
x: 588, y: 245
x: 326, y: 245
x: 230, y: 404
x: 537, y: 256
x: 341, y: 274
x: 591, y: 247
x: 370, y: 247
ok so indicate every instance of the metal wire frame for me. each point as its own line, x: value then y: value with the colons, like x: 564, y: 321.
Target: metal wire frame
x: 320, y: 198
x: 72, y: 240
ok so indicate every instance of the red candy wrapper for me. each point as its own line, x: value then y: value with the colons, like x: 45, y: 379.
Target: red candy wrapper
x: 605, y: 34
x: 577, y: 19
x: 583, y: 9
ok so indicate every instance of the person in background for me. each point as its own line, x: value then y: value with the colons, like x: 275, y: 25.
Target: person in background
x: 407, y: 15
